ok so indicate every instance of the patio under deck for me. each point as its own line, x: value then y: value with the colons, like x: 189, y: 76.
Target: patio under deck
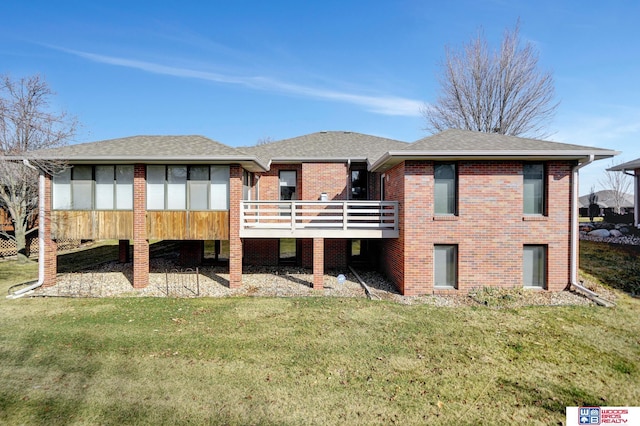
x: 319, y: 219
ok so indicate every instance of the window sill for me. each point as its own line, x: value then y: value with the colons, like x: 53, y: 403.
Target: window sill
x: 445, y: 218
x: 535, y: 218
x: 533, y: 288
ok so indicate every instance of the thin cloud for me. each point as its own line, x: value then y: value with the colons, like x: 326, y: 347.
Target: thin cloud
x: 385, y: 105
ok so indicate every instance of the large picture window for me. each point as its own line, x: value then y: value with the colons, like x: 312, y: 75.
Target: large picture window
x: 187, y: 187
x: 534, y: 200
x: 445, y: 189
x: 103, y: 187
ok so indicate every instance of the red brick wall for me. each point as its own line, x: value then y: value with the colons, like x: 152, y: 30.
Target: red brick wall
x: 490, y: 230
x: 335, y: 253
x: 393, y: 255
x: 260, y: 252
x: 331, y: 178
x: 140, y: 242
x: 269, y: 186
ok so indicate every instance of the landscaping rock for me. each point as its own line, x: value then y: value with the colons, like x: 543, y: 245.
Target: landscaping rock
x: 600, y: 233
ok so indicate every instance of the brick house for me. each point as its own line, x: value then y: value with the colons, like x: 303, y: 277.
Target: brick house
x: 632, y: 168
x: 444, y: 214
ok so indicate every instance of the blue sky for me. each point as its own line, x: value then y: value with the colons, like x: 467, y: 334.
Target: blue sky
x: 239, y: 71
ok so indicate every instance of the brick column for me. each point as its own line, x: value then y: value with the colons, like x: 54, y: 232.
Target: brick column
x: 318, y: 263
x: 50, y: 257
x: 140, y: 242
x: 235, y: 243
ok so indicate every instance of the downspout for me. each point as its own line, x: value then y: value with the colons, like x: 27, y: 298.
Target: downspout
x: 41, y: 245
x: 575, y: 236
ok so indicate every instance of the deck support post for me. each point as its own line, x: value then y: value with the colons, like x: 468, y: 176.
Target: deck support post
x: 318, y: 263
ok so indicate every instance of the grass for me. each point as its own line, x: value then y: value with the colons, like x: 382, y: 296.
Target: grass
x: 617, y: 266
x: 310, y: 361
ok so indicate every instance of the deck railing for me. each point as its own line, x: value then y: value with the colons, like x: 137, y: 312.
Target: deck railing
x: 335, y: 219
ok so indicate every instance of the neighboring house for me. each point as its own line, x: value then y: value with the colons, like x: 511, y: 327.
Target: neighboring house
x: 606, y: 202
x: 632, y: 168
x: 445, y: 214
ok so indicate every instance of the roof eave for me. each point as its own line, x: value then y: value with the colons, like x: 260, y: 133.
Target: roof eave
x: 294, y: 160
x: 393, y: 158
x: 253, y: 164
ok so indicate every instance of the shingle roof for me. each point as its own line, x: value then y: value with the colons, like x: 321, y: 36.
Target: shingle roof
x: 606, y: 198
x: 147, y: 148
x: 455, y: 144
x: 631, y: 165
x: 334, y: 145
x: 470, y: 141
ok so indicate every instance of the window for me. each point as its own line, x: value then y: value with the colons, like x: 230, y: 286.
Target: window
x: 199, y: 188
x: 61, y: 194
x: 82, y: 187
x: 114, y: 187
x: 288, y: 184
x: 105, y: 184
x: 187, y: 187
x: 534, y: 189
x: 124, y: 188
x: 534, y: 266
x: 359, y: 184
x: 220, y: 187
x: 103, y: 187
x: 247, y: 183
x: 445, y: 189
x: 445, y: 266
x: 176, y: 187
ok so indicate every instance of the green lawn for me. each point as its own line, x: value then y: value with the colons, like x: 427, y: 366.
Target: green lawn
x: 310, y: 361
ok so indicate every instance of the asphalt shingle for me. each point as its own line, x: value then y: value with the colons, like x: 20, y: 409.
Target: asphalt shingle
x: 467, y: 141
x: 151, y: 147
x: 337, y: 145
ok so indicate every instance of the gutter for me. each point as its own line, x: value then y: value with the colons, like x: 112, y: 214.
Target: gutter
x: 41, y: 246
x: 575, y: 237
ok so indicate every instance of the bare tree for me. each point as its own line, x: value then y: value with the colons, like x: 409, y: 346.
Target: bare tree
x: 493, y: 91
x: 618, y: 183
x: 26, y: 124
x: 264, y: 141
